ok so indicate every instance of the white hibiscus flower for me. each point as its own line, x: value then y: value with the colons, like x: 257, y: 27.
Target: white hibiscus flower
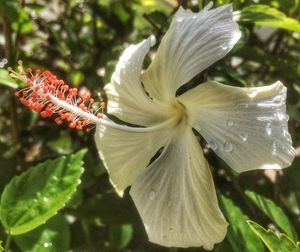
x: 246, y: 127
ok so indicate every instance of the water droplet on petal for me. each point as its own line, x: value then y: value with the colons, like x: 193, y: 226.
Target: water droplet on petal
x: 152, y: 195
x: 281, y: 116
x: 224, y: 47
x: 179, y: 19
x: 194, y: 16
x: 275, y: 146
x: 227, y: 147
x: 252, y: 93
x: 229, y: 123
x: 268, y: 128
x: 213, y: 145
x: 244, y: 136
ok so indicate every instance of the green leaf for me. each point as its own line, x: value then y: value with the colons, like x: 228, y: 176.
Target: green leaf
x: 10, y: 9
x: 159, y: 18
x: 62, y: 145
x: 1, y: 248
x: 239, y: 234
x: 6, y: 80
x: 50, y: 236
x: 275, y: 213
x: 264, y: 15
x: 274, y: 242
x: 294, y: 112
x: 120, y: 235
x: 36, y: 195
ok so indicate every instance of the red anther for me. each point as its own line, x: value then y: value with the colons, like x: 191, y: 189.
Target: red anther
x: 29, y: 70
x: 49, y: 112
x: 102, y: 105
x: 92, y: 101
x: 17, y: 94
x: 79, y: 100
x: 29, y: 83
x: 74, y: 90
x: 79, y: 126
x: 61, y: 82
x: 60, y: 95
x: 72, y: 125
x: 68, y: 117
x: 38, y: 72
x: 43, y: 114
x: 22, y: 73
x: 51, y: 89
x: 100, y: 115
x: 64, y: 88
x: 58, y: 121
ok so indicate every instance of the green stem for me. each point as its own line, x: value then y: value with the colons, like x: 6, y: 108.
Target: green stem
x: 7, y: 243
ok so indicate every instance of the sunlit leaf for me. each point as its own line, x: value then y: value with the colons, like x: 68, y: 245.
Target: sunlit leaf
x: 54, y: 234
x: 274, y: 242
x: 239, y: 234
x: 275, y: 213
x: 36, y: 195
x: 264, y: 15
x: 6, y: 80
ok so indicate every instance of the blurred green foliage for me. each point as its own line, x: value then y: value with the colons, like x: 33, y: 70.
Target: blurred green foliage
x: 80, y: 41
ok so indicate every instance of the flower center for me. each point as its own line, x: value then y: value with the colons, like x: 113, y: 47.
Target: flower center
x: 180, y: 112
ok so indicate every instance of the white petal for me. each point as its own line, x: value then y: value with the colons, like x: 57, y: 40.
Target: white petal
x: 126, y: 154
x: 126, y: 98
x: 176, y: 198
x: 193, y: 42
x: 246, y: 127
